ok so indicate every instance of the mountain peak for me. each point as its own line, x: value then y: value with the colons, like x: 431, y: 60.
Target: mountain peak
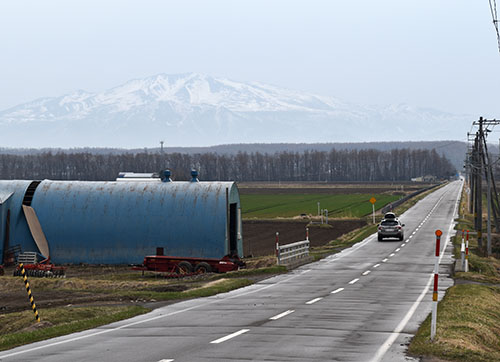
x: 198, y: 109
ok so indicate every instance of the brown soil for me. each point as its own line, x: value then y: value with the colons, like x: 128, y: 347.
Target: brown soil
x: 259, y: 236
x: 249, y: 188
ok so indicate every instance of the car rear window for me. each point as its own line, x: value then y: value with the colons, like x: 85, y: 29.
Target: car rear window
x: 389, y: 223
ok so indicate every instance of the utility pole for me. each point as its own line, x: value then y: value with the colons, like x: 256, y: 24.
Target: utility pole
x: 161, y: 147
x: 478, y: 162
x: 479, y: 192
x: 488, y: 223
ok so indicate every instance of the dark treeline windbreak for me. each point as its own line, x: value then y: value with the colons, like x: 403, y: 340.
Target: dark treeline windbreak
x: 336, y: 165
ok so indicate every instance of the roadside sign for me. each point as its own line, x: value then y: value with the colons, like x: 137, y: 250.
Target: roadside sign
x: 373, y: 200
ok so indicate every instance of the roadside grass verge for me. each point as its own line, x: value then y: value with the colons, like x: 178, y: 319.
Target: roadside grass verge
x: 197, y: 291
x: 343, y: 242
x: 20, y: 328
x: 467, y: 327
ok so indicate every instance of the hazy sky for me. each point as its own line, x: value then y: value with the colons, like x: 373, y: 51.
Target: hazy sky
x: 433, y: 53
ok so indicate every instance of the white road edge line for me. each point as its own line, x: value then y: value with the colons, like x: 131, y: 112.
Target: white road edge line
x: 281, y: 315
x: 376, y: 265
x: 388, y: 343
x: 232, y: 335
x: 314, y: 300
x: 353, y: 281
x: 337, y: 291
x: 367, y: 272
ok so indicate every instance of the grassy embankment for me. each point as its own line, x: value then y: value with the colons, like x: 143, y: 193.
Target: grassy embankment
x: 468, y: 327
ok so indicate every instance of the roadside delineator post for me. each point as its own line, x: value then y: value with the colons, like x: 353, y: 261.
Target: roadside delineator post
x: 466, y: 268
x: 462, y: 250
x: 307, y: 234
x: 435, y: 290
x: 28, y: 289
x: 278, y: 247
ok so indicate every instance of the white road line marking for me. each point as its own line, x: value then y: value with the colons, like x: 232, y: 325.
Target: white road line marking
x: 232, y: 335
x: 413, y: 233
x: 409, y: 237
x: 281, y: 315
x: 367, y: 272
x: 407, y: 241
x: 398, y: 249
x: 391, y: 255
x: 376, y: 265
x: 353, y: 281
x: 337, y: 291
x: 314, y: 301
x: 383, y: 261
x: 403, y: 245
x: 166, y: 360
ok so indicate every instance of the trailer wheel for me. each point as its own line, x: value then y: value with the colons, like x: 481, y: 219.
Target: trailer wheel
x: 184, y: 267
x: 202, y: 268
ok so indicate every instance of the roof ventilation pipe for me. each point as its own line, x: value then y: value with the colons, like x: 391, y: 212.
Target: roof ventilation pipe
x: 194, y: 175
x: 165, y: 175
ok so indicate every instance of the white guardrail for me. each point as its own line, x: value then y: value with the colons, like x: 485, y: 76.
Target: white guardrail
x: 289, y: 252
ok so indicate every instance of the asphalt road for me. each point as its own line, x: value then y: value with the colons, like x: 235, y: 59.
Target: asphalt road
x: 363, y: 304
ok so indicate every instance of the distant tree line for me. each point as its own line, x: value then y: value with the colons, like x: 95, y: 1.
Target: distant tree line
x: 334, y: 165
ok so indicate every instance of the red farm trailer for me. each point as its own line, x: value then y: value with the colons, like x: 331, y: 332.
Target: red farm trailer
x: 184, y: 266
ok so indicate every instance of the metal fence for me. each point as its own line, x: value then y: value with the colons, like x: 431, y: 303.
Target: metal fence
x: 290, y: 252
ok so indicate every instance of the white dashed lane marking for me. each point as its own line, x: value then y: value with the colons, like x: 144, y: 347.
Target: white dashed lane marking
x: 232, y: 335
x: 353, y: 281
x: 314, y: 301
x: 376, y: 265
x: 367, y: 272
x: 383, y: 261
x: 281, y: 315
x: 337, y: 291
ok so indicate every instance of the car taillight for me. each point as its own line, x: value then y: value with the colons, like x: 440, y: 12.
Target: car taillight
x: 380, y: 227
x: 399, y: 227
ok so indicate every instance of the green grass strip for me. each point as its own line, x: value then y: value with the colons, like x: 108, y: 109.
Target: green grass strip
x: 58, y: 322
x: 468, y: 326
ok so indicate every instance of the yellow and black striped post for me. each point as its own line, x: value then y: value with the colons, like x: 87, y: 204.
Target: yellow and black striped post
x: 28, y: 289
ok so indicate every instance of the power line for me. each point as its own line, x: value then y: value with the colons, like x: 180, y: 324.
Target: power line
x: 493, y: 10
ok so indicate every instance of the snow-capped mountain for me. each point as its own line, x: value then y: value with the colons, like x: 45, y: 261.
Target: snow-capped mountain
x: 199, y: 110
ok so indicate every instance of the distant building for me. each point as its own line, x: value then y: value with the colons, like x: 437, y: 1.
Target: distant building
x: 426, y: 178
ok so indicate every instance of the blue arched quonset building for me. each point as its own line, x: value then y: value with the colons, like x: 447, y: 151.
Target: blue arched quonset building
x: 121, y: 222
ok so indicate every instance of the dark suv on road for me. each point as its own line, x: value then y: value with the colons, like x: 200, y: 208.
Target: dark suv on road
x: 390, y: 228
